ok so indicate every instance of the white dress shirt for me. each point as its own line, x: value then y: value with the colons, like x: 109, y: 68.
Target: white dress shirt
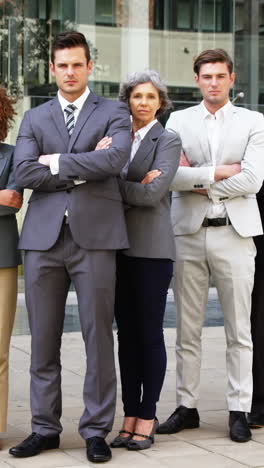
x: 214, y: 124
x: 54, y: 160
x: 138, y: 137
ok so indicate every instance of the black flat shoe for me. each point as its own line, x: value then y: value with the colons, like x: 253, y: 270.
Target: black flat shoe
x: 121, y: 441
x: 239, y: 430
x: 255, y: 420
x: 34, y: 444
x: 98, y: 450
x: 148, y: 439
x: 182, y: 418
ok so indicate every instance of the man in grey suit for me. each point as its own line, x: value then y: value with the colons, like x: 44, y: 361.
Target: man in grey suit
x: 215, y: 215
x: 73, y: 226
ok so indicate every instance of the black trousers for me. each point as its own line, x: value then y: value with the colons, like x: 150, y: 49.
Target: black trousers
x: 257, y: 329
x: 141, y: 292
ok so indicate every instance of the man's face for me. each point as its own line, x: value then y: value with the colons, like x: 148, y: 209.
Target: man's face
x: 215, y: 81
x: 71, y: 71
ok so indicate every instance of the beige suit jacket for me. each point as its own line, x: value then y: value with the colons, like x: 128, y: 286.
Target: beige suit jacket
x: 242, y: 140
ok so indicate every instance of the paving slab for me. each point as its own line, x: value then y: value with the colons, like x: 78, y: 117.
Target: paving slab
x: 206, y: 447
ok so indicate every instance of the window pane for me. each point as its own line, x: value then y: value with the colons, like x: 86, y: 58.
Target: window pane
x: 184, y: 15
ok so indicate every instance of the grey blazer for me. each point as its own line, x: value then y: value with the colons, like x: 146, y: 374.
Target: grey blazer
x: 148, y: 215
x: 9, y: 254
x: 95, y: 208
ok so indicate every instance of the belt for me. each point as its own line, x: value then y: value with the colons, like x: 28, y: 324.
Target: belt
x: 215, y: 222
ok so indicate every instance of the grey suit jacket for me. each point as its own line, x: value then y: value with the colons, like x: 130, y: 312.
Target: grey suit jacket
x: 242, y: 140
x: 95, y: 208
x: 9, y: 254
x: 148, y: 216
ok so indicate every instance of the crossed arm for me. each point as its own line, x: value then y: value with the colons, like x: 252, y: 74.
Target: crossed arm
x: 223, y: 171
x: 10, y: 198
x: 33, y: 168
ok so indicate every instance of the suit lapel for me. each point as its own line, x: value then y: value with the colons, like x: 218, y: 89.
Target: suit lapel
x: 3, y: 161
x: 5, y: 151
x: 146, y: 146
x: 58, y: 118
x: 88, y: 107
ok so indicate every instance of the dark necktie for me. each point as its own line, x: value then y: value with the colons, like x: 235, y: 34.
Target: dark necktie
x: 70, y: 117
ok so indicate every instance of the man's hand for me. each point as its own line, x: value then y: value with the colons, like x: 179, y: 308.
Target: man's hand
x: 227, y: 170
x: 184, y: 160
x: 11, y: 198
x: 104, y: 143
x: 150, y: 176
x: 45, y: 159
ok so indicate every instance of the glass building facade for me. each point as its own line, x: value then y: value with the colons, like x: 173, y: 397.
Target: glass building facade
x: 129, y: 35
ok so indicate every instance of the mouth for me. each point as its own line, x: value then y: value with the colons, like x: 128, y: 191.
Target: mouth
x: 70, y: 82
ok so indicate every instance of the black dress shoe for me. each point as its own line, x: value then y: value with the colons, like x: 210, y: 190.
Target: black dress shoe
x: 98, y: 450
x: 34, y: 444
x: 239, y: 430
x: 255, y: 420
x: 182, y: 418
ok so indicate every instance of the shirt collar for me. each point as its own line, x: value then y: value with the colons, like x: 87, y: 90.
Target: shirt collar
x: 220, y: 113
x: 79, y: 102
x: 144, y: 130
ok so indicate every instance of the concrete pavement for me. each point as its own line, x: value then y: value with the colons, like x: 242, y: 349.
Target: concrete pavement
x: 206, y: 447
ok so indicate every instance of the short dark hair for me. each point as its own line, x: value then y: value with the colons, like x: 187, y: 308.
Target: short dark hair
x: 146, y: 76
x: 68, y: 40
x: 212, y: 56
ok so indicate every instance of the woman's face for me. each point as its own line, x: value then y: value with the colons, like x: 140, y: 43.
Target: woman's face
x: 144, y: 102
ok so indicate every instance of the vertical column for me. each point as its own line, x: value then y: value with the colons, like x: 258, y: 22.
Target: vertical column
x: 247, y: 52
x: 86, y: 23
x: 134, y: 36
x: 254, y: 54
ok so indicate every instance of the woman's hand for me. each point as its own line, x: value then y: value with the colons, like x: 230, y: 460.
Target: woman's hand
x: 104, y: 143
x: 11, y: 198
x: 150, y: 176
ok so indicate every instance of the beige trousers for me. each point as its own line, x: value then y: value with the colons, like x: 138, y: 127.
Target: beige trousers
x: 229, y: 258
x: 8, y: 298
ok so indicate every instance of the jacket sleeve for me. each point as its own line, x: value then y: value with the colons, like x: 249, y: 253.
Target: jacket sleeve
x: 100, y: 164
x: 250, y: 179
x: 187, y: 178
x: 7, y: 210
x: 29, y: 173
x: 166, y: 160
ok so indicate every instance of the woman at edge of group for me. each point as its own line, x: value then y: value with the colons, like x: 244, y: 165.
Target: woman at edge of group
x: 10, y: 203
x: 144, y: 271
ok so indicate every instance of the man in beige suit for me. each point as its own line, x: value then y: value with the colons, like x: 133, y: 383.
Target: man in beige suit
x: 215, y: 215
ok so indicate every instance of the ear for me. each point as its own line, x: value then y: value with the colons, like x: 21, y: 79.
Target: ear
x: 90, y: 67
x: 196, y: 78
x: 52, y: 68
x: 232, y: 79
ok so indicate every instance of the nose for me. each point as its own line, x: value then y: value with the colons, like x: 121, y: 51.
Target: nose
x: 69, y: 70
x: 214, y: 81
x: 143, y: 100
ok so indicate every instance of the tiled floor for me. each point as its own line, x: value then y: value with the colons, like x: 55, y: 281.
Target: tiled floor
x: 206, y: 447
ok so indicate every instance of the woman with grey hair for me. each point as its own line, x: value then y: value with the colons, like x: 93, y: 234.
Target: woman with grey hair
x: 145, y: 269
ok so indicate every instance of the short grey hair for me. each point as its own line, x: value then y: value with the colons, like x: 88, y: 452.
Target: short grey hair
x: 146, y: 76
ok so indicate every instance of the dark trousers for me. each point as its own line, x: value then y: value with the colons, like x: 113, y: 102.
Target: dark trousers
x: 141, y: 292
x: 257, y: 328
